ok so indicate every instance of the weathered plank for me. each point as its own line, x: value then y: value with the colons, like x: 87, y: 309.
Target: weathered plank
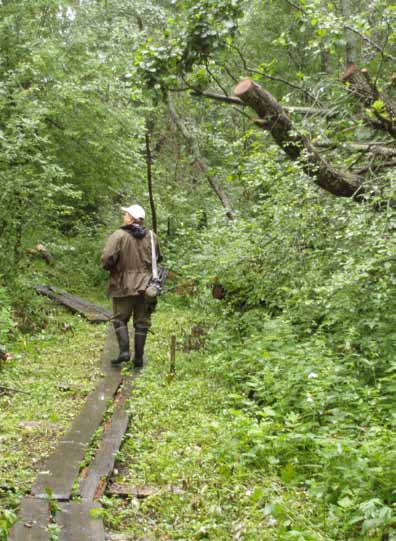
x: 92, y: 312
x: 63, y: 466
x: 60, y: 471
x: 33, y: 521
x: 77, y: 524
x: 96, y: 476
x: 110, y: 351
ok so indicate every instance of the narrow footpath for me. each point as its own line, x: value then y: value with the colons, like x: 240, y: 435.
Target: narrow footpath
x: 167, y: 456
x: 63, y: 494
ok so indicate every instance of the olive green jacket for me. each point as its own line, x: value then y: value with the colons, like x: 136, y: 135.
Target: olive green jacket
x: 128, y: 260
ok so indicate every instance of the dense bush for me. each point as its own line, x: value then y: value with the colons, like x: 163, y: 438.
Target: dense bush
x: 306, y: 338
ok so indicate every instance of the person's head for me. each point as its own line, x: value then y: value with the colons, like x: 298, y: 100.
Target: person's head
x: 133, y: 215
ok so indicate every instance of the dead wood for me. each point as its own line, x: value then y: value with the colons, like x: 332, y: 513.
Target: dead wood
x: 92, y: 312
x: 310, y: 111
x: 374, y: 148
x: 273, y: 118
x: 218, y: 291
x: 366, y: 92
x: 4, y: 355
x: 375, y: 167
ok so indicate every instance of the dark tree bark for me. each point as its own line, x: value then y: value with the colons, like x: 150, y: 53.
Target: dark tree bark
x: 366, y: 91
x: 149, y: 162
x: 273, y: 118
x: 200, y: 163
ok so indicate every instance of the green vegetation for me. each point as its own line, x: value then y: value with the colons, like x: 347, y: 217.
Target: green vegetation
x: 281, y: 425
x: 52, y: 373
x: 260, y: 434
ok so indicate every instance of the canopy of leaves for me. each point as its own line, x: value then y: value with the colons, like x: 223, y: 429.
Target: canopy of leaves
x: 305, y: 334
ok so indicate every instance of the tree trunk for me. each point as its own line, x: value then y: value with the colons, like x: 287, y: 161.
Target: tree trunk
x: 149, y: 162
x: 274, y: 119
x: 200, y: 163
x: 353, y: 50
x: 325, y: 60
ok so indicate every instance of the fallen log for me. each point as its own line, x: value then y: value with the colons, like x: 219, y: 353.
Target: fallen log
x: 92, y: 312
x: 273, y: 118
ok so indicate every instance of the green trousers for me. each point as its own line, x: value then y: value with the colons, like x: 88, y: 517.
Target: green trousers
x: 136, y: 306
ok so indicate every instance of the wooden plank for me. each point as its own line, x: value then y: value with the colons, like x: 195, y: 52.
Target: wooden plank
x: 63, y: 466
x: 33, y: 521
x: 92, y: 312
x: 77, y: 524
x: 61, y: 470
x: 93, y: 410
x: 110, y: 351
x: 95, y: 479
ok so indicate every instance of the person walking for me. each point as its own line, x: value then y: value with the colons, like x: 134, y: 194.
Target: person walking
x: 127, y: 256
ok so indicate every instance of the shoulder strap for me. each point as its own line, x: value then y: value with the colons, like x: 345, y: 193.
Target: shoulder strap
x: 153, y: 257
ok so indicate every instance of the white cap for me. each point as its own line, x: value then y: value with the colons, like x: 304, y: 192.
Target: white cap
x: 136, y: 211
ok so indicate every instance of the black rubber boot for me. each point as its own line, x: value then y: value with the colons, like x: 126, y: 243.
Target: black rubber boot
x: 123, y: 341
x: 140, y: 341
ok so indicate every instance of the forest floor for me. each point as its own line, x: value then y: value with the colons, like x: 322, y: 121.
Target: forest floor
x: 179, y: 474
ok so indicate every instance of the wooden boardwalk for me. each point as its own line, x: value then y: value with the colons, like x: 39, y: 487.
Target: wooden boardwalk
x: 92, y: 312
x: 61, y: 477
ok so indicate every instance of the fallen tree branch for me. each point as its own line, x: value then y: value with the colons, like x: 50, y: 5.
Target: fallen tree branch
x: 273, y: 118
x: 374, y: 167
x: 217, y: 97
x: 289, y: 108
x: 377, y: 149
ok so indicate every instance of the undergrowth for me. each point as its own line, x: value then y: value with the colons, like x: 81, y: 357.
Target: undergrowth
x: 44, y: 387
x: 261, y: 435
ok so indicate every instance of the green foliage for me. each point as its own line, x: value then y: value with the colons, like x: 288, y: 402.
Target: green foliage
x: 299, y: 426
x: 191, y: 36
x: 7, y: 519
x: 57, y: 368
x: 315, y: 384
x: 5, y: 315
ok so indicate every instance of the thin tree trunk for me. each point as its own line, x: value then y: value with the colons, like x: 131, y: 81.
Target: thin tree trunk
x: 353, y: 49
x: 199, y: 161
x: 149, y: 162
x: 325, y: 59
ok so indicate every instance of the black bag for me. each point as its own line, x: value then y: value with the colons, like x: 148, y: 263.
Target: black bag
x: 154, y: 288
x: 155, y: 285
